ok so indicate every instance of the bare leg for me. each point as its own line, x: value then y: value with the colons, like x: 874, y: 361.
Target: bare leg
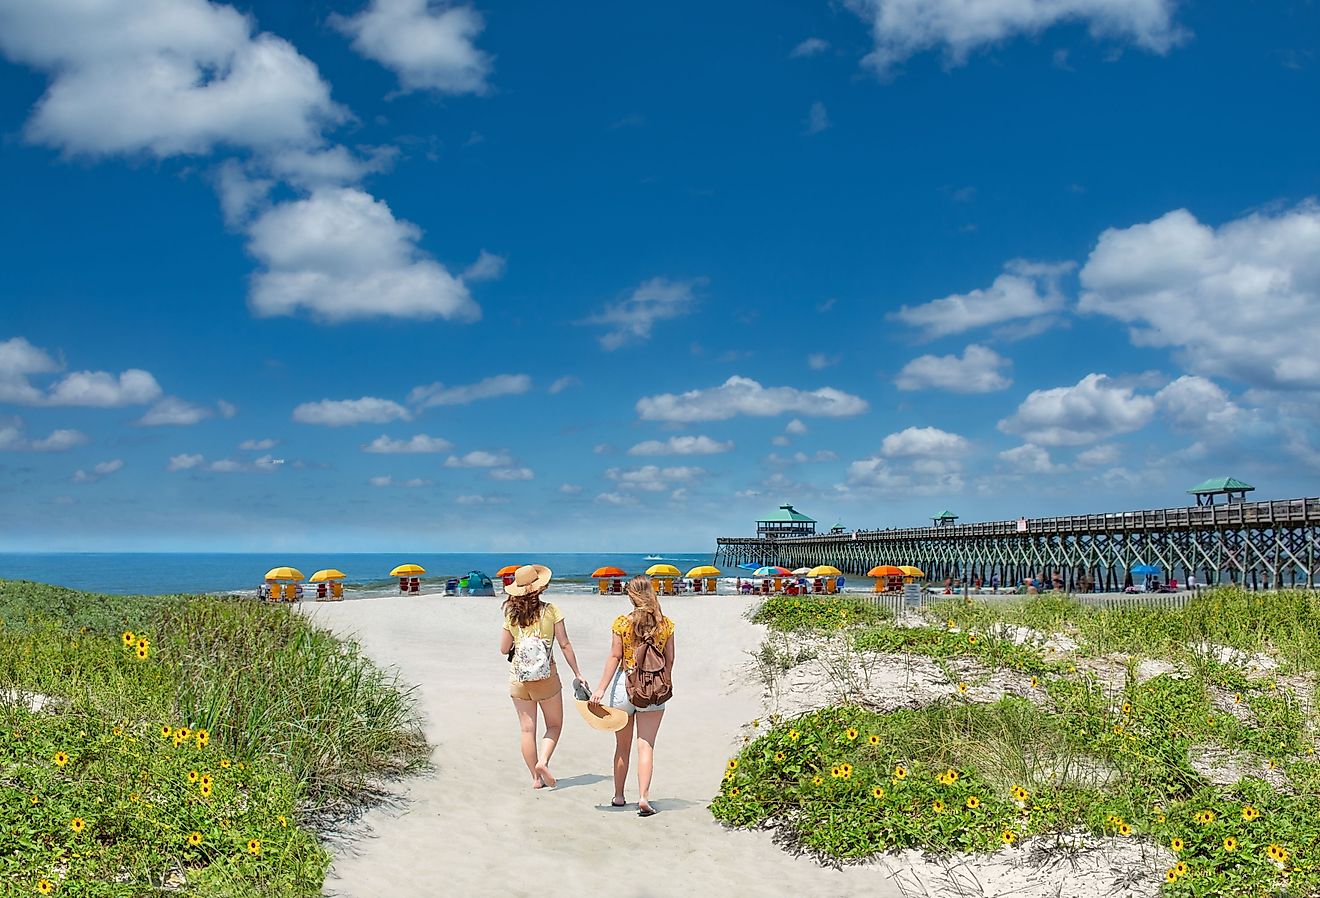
x: 527, y: 736
x: 648, y: 725
x: 622, y: 751
x: 552, y: 709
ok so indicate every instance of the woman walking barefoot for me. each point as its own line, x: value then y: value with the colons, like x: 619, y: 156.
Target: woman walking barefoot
x: 645, y: 622
x: 530, y: 628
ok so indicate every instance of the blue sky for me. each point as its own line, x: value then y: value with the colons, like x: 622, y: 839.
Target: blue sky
x: 378, y: 275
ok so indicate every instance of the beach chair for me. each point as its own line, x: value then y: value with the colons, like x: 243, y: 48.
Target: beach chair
x: 696, y: 586
x: 403, y: 584
x: 336, y: 591
x: 321, y: 592
x: 602, y: 586
x: 414, y: 585
x: 667, y: 587
x: 711, y: 583
x: 616, y: 587
x: 831, y: 586
x: 290, y: 592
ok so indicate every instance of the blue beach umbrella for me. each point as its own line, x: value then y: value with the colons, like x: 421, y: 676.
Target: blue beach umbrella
x: 749, y: 565
x: 1145, y: 570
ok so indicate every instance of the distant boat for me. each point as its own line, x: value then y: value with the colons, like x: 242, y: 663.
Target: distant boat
x: 655, y: 557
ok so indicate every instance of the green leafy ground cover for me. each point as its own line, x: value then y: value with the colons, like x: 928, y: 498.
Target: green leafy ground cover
x: 187, y: 743
x: 1071, y: 753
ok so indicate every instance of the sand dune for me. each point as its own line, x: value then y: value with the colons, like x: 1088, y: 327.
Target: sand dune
x: 474, y: 826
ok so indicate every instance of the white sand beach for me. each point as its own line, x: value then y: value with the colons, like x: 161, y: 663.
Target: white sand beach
x: 474, y: 826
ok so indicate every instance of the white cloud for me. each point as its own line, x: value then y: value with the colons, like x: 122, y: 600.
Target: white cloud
x: 818, y: 118
x: 486, y: 388
x: 652, y: 478
x: 924, y: 442
x: 488, y: 267
x: 265, y: 464
x: 340, y: 254
x: 345, y: 412
x: 1196, y: 404
x: 1099, y: 456
x: 512, y: 474
x: 103, y: 469
x: 904, y: 28
x: 162, y: 77
x: 417, y: 444
x: 817, y: 361
x: 1024, y: 290
x: 1094, y: 409
x: 479, y: 458
x: 795, y: 427
x: 780, y: 440
x: 330, y: 166
x: 931, y: 478
x: 428, y: 45
x: 184, y: 462
x: 481, y: 500
x: 226, y: 409
x: 812, y: 46
x: 18, y: 360
x: 570, y: 489
x: 13, y: 439
x: 172, y: 410
x: 979, y: 370
x: 1240, y: 301
x: 1030, y: 459
x: 609, y: 498
x: 631, y: 319
x: 562, y: 384
x: 682, y: 445
x: 386, y: 480
x: 382, y: 480
x: 258, y: 445
x: 104, y: 390
x: 744, y: 396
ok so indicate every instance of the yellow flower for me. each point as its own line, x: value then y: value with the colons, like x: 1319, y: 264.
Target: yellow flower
x: 873, y: 739
x: 192, y: 776
x: 1127, y: 707
x: 1249, y: 813
x: 225, y: 762
x: 206, y: 790
x: 845, y: 770
x: 836, y: 772
x: 973, y: 802
x: 284, y: 821
x: 135, y: 797
x: 951, y: 623
x: 951, y: 775
x: 817, y: 780
x: 733, y: 764
x: 1118, y: 730
x: 962, y: 687
x: 183, y: 731
x: 78, y: 824
x: 1237, y: 698
x: 728, y: 776
x: 1278, y: 853
x: 1177, y: 844
x: 254, y: 845
x: 61, y: 759
x: 851, y: 733
x: 937, y: 806
x: 1205, y: 817
x: 206, y: 780
x: 118, y: 731
x: 203, y: 738
x: 1019, y: 793
x: 1008, y: 837
x: 243, y: 766
x: 178, y: 740
x: 779, y: 757
x: 36, y: 799
x: 794, y: 734
x: 1272, y: 764
x: 900, y: 772
x: 1182, y: 868
x: 142, y: 653
x: 1159, y: 818
x: 971, y: 640
x: 143, y: 643
x: 1124, y: 829
x: 45, y: 886
x: 194, y: 839
x: 1230, y: 844
x: 1034, y: 682
x: 1171, y: 875
x: 128, y: 637
x: 165, y: 730
x: 878, y: 792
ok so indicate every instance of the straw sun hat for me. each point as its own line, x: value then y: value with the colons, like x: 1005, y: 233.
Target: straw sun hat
x: 599, y: 717
x: 529, y: 578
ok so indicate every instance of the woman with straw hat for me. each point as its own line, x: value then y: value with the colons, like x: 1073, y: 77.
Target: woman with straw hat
x: 531, y: 627
x: 646, y: 624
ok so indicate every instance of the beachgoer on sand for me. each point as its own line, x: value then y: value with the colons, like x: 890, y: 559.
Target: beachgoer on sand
x: 531, y: 627
x: 646, y: 624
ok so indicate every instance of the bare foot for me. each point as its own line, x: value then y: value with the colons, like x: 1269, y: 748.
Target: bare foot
x: 536, y: 782
x: 543, y: 773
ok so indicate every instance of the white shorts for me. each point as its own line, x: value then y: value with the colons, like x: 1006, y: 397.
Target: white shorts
x: 617, y: 695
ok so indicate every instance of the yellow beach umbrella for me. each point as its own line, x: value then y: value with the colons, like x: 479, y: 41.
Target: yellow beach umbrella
x: 408, y: 570
x: 662, y: 570
x: 704, y: 570
x: 284, y: 573
x: 330, y: 573
x: 825, y: 570
x: 910, y: 571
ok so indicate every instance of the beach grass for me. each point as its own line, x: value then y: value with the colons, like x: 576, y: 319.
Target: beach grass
x: 183, y: 743
x: 1083, y: 744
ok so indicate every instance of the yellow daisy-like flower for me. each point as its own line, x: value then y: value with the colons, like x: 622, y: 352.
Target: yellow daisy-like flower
x: 836, y: 772
x: 900, y: 772
x: 1124, y: 829
x: 1008, y: 837
x: 165, y: 731
x: 937, y: 806
x: 818, y: 780
x: 183, y: 731
x: 728, y: 776
x: 45, y: 886
x: 1113, y: 820
x: 203, y: 738
x: 129, y: 637
x: 117, y: 731
x: 78, y: 824
x: 971, y: 640
x: 779, y: 757
x: 845, y: 770
x: 225, y: 762
x: 1237, y: 698
x: 1210, y: 720
x: 206, y: 780
x: 1171, y: 875
x: 873, y: 739
x: 878, y: 792
x: 206, y: 790
x: 973, y: 802
x: 142, y: 654
x: 1278, y: 853
x: 1127, y: 707
x: 192, y: 776
x: 1035, y: 682
x: 1072, y: 668
x: 1205, y: 817
x: 1159, y: 818
x: 1272, y: 765
x: 951, y: 623
x: 178, y: 740
x: 143, y: 643
x: 283, y: 821
x: 1182, y: 868
x: 962, y: 687
x: 733, y: 764
x: 851, y: 733
x: 36, y: 799
x: 254, y: 845
x: 951, y: 775
x: 135, y: 797
x: 1249, y: 813
x: 60, y: 759
x: 1230, y: 844
x: 794, y: 734
x: 1177, y: 844
x: 194, y: 838
x: 1118, y: 730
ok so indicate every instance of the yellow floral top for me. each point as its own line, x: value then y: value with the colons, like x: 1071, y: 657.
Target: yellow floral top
x: 623, y: 626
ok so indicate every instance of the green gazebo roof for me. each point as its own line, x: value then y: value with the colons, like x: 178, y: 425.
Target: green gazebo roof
x: 946, y: 515
x: 1221, y: 485
x: 838, y: 525
x: 786, y: 514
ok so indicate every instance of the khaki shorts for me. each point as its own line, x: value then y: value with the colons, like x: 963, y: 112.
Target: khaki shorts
x: 537, y: 690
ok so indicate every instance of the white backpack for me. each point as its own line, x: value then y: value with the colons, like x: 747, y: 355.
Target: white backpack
x: 531, y: 657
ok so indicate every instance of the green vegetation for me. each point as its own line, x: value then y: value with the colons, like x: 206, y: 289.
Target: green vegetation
x: 793, y: 613
x: 182, y: 743
x: 1076, y: 751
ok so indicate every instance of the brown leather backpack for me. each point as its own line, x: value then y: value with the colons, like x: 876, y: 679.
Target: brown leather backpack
x: 648, y: 680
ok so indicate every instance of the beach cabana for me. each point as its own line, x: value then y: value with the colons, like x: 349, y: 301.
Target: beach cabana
x: 408, y: 575
x: 1232, y: 489
x: 888, y: 577
x: 477, y: 584
x: 610, y: 579
x: 663, y: 577
x: 705, y: 572
x: 329, y: 584
x: 282, y: 584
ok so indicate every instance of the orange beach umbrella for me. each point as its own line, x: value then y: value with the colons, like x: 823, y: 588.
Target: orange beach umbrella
x: 508, y: 569
x: 608, y: 571
x: 885, y: 570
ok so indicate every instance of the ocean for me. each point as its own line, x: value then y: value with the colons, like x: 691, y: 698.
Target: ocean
x: 132, y: 573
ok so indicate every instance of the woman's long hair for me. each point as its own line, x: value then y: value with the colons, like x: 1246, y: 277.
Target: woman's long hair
x: 646, y: 615
x: 525, y: 610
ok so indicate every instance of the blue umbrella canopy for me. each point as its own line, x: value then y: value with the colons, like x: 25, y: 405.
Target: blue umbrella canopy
x: 1145, y: 569
x: 749, y: 565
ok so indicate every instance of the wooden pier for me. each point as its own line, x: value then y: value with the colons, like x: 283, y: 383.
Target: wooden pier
x: 1255, y: 544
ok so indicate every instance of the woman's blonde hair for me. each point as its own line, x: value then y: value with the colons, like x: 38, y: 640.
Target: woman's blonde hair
x: 523, y: 610
x: 646, y: 615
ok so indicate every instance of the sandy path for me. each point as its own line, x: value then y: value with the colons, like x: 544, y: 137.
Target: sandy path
x: 475, y: 827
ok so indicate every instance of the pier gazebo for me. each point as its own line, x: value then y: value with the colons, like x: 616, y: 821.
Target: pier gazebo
x: 786, y: 521
x: 1232, y: 489
x: 944, y: 519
